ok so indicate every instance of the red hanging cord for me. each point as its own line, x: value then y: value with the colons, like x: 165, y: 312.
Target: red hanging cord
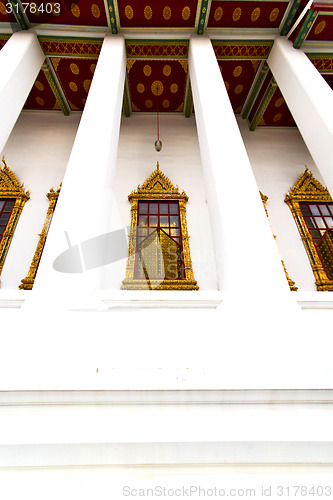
x: 157, y: 118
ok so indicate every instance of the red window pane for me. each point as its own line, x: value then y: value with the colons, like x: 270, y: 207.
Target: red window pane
x: 319, y: 220
x: 159, y: 250
x: 6, y: 207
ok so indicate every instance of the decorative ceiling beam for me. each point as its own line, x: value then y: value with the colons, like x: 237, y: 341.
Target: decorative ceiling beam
x: 264, y: 103
x: 203, y: 16
x: 323, y: 6
x: 126, y: 100
x: 290, y: 18
x: 254, y: 91
x: 306, y: 27
x: 323, y: 62
x: 55, y: 86
x: 19, y: 15
x: 111, y: 14
x: 189, y: 100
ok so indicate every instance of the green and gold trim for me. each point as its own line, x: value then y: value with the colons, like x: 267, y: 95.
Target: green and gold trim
x: 19, y: 16
x: 305, y: 29
x: 290, y: 18
x: 264, y: 103
x: 203, y: 16
x: 260, y: 78
x: 112, y: 16
x: 126, y: 100
x: 55, y: 86
x: 189, y: 101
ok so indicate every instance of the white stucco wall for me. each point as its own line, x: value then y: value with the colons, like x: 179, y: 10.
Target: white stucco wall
x: 181, y: 163
x: 38, y: 152
x: 121, y: 349
x: 278, y: 158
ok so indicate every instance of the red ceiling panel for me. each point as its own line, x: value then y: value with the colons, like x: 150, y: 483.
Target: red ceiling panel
x: 238, y: 77
x: 157, y: 83
x: 246, y: 14
x: 322, y: 28
x: 329, y: 79
x: 41, y: 95
x: 78, y: 13
x: 158, y: 14
x: 6, y: 15
x: 75, y: 76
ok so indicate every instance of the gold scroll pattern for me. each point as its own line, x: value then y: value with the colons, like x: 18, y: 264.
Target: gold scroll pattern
x: 11, y: 188
x: 28, y: 282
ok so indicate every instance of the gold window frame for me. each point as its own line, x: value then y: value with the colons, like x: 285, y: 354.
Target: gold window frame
x: 28, y: 282
x: 308, y: 190
x: 158, y: 187
x: 10, y: 188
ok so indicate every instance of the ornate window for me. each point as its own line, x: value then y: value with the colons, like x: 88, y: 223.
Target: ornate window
x: 312, y: 209
x: 28, y: 282
x: 12, y: 200
x: 159, y: 252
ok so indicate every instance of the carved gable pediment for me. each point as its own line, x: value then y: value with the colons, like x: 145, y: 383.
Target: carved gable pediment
x: 157, y: 185
x: 10, y: 186
x: 308, y: 188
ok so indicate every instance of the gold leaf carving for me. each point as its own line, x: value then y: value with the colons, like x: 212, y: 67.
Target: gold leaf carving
x: 307, y: 189
x: 10, y: 187
x: 28, y: 281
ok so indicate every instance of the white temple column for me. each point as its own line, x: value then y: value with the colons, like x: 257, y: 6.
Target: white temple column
x: 84, y: 206
x: 310, y: 100
x: 20, y: 61
x: 246, y: 253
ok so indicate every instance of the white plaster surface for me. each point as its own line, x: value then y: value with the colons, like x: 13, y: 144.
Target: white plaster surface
x: 38, y: 152
x: 181, y: 163
x: 103, y: 483
x: 278, y: 158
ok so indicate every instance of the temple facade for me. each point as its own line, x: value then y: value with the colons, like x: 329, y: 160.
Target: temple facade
x: 166, y: 250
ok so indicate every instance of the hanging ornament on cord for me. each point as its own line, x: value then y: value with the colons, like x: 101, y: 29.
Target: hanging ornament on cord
x: 158, y: 143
